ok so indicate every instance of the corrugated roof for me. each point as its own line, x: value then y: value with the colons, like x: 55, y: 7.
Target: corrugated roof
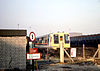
x: 13, y: 32
x: 92, y: 35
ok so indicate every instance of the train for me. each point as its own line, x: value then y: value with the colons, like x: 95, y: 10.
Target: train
x: 53, y: 40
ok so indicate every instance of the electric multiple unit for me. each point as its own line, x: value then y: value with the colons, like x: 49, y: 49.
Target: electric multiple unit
x: 53, y: 40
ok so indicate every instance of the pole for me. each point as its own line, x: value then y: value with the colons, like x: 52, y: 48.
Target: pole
x: 18, y: 26
x: 36, y: 65
x: 33, y: 65
x: 98, y: 50
x: 61, y: 52
x: 47, y: 54
x: 83, y: 51
x: 31, y: 61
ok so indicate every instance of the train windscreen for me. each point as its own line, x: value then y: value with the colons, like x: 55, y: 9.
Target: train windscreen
x: 56, y: 39
x: 66, y: 38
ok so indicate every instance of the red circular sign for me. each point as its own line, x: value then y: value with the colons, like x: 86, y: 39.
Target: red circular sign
x: 32, y: 36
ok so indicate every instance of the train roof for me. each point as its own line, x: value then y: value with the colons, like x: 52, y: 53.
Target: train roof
x: 53, y: 33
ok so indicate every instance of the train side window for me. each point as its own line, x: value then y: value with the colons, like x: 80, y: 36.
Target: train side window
x: 36, y: 41
x: 66, y: 38
x: 45, y: 40
x: 56, y: 39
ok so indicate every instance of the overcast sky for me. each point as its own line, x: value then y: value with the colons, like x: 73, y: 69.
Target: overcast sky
x: 47, y: 16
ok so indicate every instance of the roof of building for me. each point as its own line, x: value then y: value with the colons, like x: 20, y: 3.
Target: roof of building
x: 73, y: 34
x: 13, y: 32
x: 86, y: 37
x: 92, y: 35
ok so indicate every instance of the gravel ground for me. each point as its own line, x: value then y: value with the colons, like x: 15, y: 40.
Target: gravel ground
x: 67, y: 67
x: 83, y: 66
x: 55, y: 66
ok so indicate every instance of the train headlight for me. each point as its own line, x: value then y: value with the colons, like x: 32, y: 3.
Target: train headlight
x: 61, y: 38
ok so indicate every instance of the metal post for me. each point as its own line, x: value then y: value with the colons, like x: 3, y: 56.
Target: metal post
x: 61, y: 52
x: 33, y: 65
x: 31, y: 61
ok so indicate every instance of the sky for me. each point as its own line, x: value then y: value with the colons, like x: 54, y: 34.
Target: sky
x: 48, y: 16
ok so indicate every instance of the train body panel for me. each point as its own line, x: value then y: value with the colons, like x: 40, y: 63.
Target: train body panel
x: 54, y: 40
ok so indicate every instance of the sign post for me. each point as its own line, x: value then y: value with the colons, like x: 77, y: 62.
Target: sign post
x: 32, y: 38
x: 33, y: 52
x: 31, y: 62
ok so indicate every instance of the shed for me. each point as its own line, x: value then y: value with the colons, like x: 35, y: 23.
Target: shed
x: 13, y: 48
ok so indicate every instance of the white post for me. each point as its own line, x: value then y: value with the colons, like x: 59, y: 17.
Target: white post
x: 30, y: 46
x: 61, y: 52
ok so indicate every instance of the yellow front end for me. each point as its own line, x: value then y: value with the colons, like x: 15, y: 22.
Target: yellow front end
x: 56, y: 39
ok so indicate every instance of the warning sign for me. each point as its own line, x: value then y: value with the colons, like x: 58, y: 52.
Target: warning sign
x: 32, y: 36
x: 33, y: 56
x: 73, y: 52
x: 33, y: 50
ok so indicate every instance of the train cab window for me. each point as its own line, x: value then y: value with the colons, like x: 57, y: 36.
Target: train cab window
x: 56, y: 39
x: 66, y: 38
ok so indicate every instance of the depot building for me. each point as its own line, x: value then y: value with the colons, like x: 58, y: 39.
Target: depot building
x: 13, y: 49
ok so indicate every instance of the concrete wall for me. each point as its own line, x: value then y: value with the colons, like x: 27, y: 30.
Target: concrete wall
x: 13, y: 52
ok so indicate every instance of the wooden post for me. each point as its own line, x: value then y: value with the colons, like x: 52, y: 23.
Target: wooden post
x: 61, y: 52
x: 83, y: 51
x: 98, y: 50
x: 68, y: 55
x: 47, y: 53
x: 95, y: 53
